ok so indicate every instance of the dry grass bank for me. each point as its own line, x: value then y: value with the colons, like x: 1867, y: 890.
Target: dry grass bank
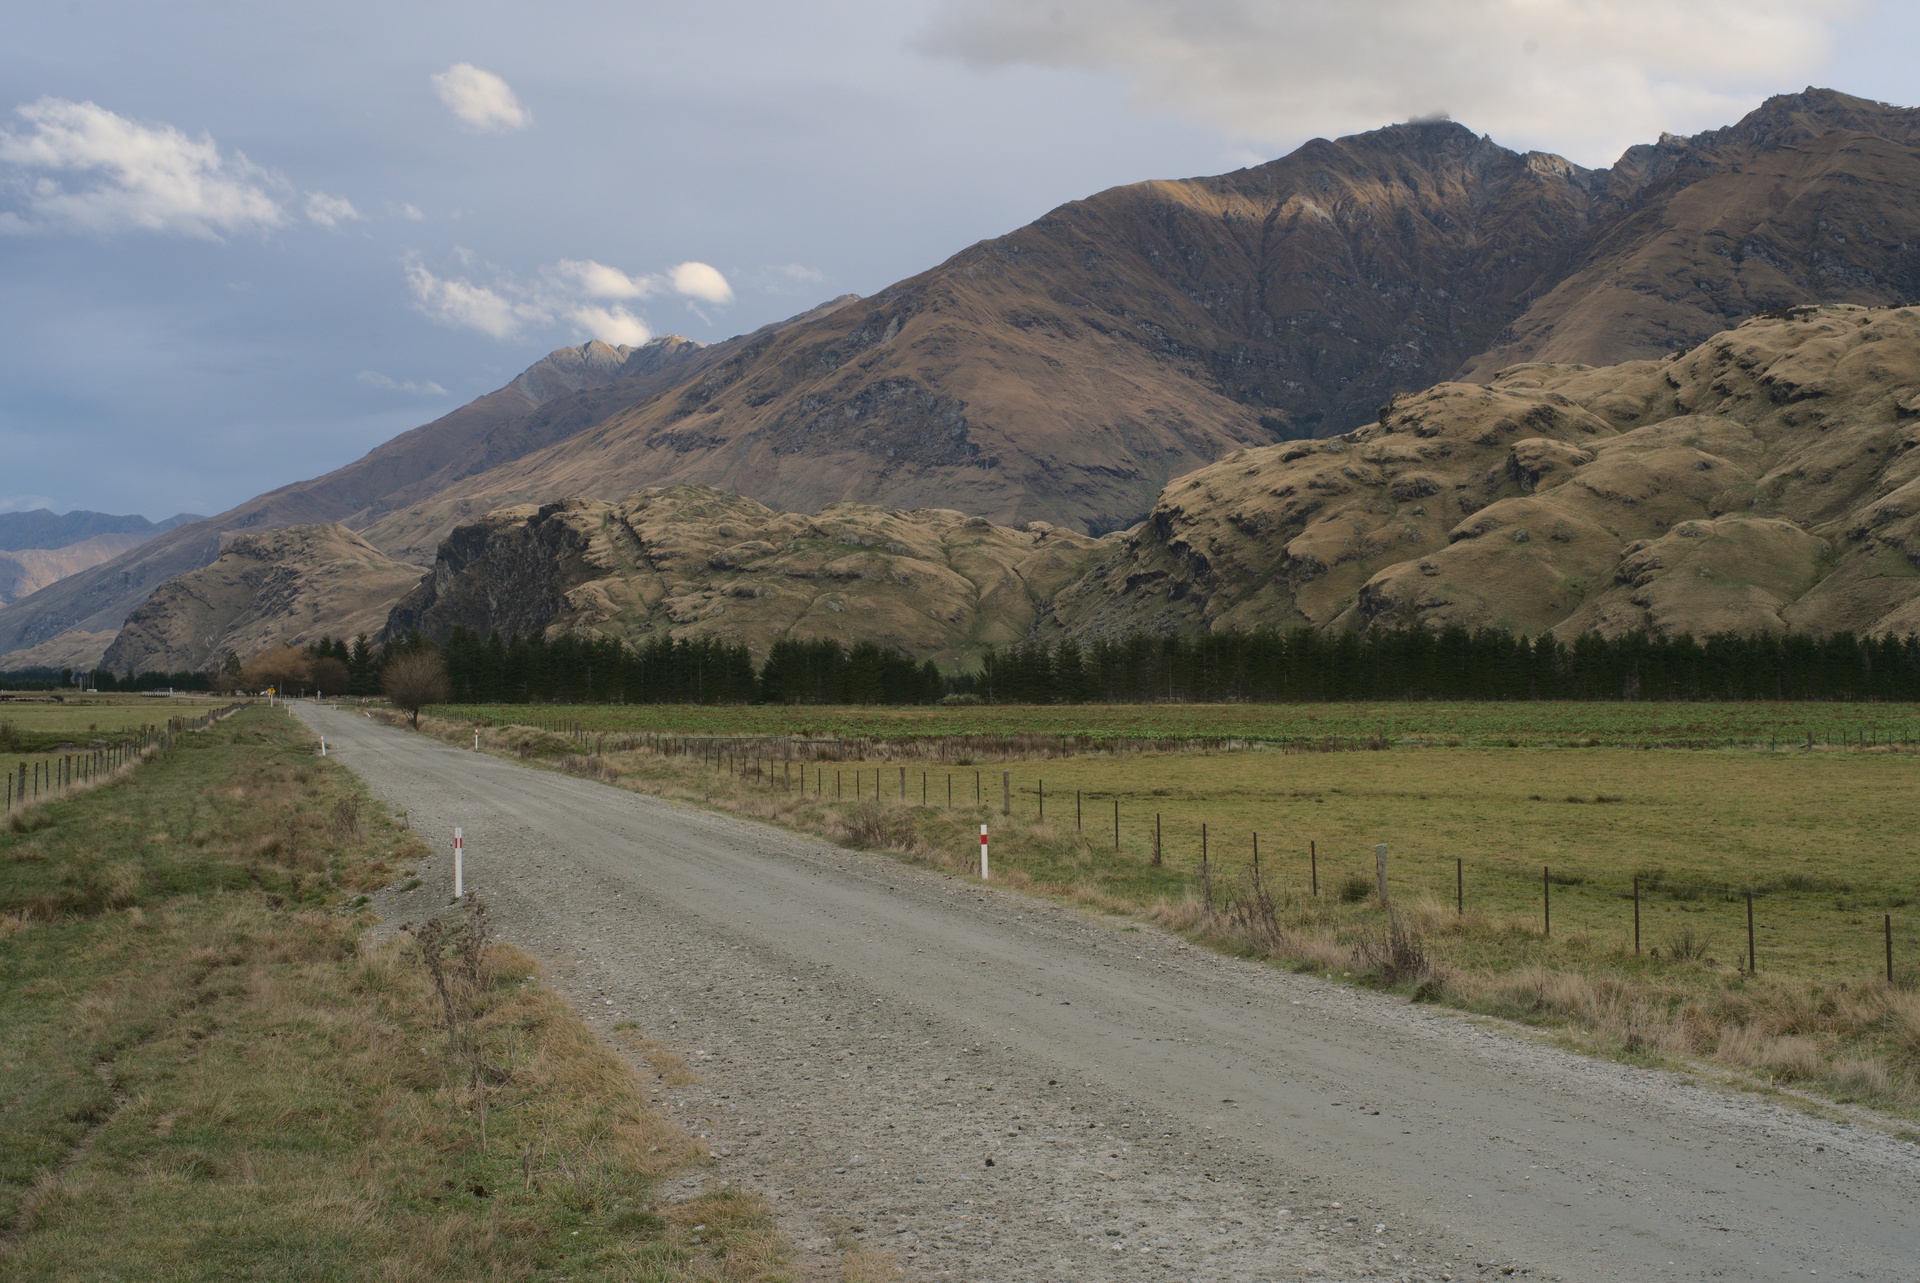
x: 210, y: 1074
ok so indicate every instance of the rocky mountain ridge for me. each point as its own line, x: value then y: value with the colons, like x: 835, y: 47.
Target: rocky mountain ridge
x: 1067, y: 371
x: 1763, y: 481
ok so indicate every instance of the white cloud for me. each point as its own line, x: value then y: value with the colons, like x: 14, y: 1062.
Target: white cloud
x: 458, y: 302
x: 422, y: 387
x: 1584, y: 77
x: 699, y: 281
x: 411, y: 212
x: 481, y: 100
x: 78, y: 167
x: 597, y: 280
x: 330, y: 211
x: 610, y: 324
x: 582, y: 295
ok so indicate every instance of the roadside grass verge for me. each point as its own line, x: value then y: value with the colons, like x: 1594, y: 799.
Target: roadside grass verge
x: 207, y: 1072
x: 1822, y: 838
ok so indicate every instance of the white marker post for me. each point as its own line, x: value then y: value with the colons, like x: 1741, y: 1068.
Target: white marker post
x: 459, y: 870
x: 983, y: 853
x: 323, y: 746
x: 476, y: 740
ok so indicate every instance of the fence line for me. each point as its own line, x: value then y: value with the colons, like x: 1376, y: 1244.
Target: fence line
x: 1568, y: 900
x: 55, y: 775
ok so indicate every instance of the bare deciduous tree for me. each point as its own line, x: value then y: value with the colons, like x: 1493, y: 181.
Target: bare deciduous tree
x: 415, y: 680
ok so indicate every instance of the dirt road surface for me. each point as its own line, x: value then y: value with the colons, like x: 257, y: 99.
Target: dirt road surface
x: 993, y: 1087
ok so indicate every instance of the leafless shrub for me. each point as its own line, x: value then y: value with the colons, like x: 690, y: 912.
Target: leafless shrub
x: 415, y: 680
x: 1685, y: 945
x: 1255, y: 915
x: 453, y: 950
x: 346, y: 820
x: 1397, y: 954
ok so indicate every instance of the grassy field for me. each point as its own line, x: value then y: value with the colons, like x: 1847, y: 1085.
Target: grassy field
x: 44, y: 726
x: 1476, y: 724
x: 209, y: 1074
x: 1823, y: 839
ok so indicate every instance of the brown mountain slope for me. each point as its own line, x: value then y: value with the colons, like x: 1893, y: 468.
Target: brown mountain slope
x: 1069, y: 369
x: 565, y: 392
x: 689, y: 561
x: 1809, y: 199
x: 288, y: 586
x: 1767, y: 479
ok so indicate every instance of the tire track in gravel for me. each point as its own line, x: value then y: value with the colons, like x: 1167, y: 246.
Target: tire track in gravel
x: 995, y: 1087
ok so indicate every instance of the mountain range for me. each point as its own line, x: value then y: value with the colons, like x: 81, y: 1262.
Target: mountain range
x: 42, y: 547
x: 1067, y: 372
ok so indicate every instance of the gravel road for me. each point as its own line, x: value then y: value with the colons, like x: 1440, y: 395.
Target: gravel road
x: 993, y: 1087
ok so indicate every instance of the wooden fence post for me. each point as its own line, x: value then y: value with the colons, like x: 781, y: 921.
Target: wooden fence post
x: 1380, y: 870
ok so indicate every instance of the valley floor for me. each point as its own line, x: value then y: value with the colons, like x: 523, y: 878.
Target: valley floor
x: 987, y: 1085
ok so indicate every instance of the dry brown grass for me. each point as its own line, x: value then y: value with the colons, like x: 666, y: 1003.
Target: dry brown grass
x: 212, y: 1073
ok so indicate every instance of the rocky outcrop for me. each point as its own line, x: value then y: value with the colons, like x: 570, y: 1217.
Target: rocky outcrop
x: 1768, y: 479
x: 282, y: 587
x: 690, y: 561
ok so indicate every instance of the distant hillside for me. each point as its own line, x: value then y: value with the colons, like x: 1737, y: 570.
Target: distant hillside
x: 693, y: 562
x: 280, y: 587
x: 40, y: 548
x: 42, y: 528
x: 568, y: 390
x: 1068, y: 370
x: 1766, y: 480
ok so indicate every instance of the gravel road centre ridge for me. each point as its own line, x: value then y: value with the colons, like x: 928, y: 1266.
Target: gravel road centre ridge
x: 996, y: 1087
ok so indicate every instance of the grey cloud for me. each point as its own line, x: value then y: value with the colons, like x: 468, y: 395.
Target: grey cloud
x: 1584, y: 78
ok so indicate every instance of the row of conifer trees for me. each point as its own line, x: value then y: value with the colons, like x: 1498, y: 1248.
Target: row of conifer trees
x: 1294, y: 666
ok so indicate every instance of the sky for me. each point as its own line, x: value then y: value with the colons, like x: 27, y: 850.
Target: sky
x: 244, y: 241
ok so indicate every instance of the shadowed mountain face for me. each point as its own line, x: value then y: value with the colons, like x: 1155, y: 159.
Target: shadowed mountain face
x: 39, y: 548
x: 1069, y: 370
x: 693, y: 562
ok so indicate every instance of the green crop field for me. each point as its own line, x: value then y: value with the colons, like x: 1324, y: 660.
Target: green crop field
x: 1482, y: 724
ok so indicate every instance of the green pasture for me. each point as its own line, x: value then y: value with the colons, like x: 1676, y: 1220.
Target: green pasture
x: 1475, y: 724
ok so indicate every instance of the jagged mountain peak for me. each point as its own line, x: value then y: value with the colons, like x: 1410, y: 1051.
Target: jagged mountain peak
x: 597, y: 363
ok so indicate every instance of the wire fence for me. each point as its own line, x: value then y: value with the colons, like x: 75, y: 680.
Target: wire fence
x: 47, y: 776
x: 1799, y: 922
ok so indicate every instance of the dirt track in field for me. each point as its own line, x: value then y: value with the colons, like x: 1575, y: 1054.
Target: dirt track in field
x: 993, y: 1087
